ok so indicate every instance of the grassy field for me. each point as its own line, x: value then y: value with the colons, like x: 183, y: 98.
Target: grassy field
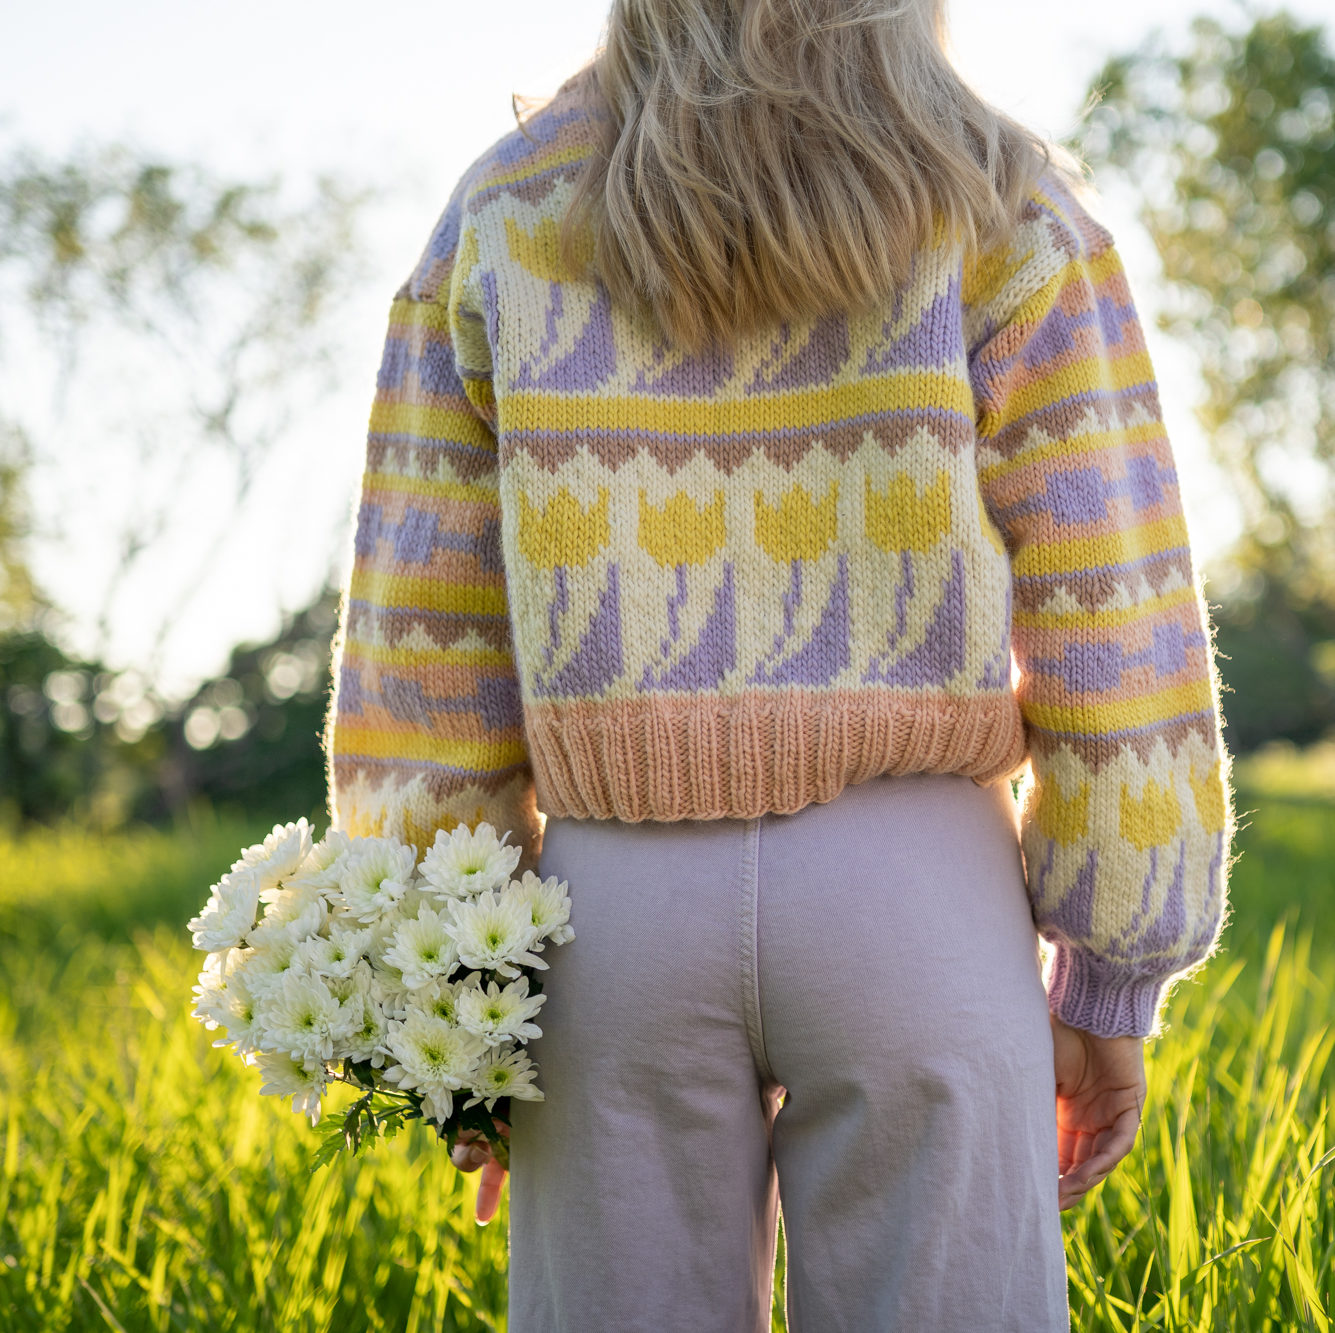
x: 145, y: 1185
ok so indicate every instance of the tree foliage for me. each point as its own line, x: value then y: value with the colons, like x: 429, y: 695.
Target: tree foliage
x: 1231, y: 148
x: 160, y: 322
x: 20, y: 600
x: 80, y: 740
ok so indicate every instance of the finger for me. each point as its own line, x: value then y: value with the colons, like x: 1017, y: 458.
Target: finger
x: 1083, y: 1150
x: 1073, y: 1192
x: 489, y: 1191
x: 1092, y: 1171
x: 1066, y: 1142
x: 1071, y: 1188
x: 1114, y: 1143
x: 1069, y: 1198
x: 470, y: 1156
x: 1075, y: 1147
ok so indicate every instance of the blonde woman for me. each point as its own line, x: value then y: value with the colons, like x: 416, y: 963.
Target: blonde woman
x: 766, y: 468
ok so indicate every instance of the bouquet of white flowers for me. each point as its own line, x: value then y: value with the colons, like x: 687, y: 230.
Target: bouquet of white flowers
x: 346, y: 960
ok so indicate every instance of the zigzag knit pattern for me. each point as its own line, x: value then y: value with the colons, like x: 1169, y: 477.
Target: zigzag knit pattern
x: 596, y: 577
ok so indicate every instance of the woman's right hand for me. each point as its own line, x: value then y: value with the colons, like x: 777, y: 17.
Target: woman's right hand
x: 1100, y: 1100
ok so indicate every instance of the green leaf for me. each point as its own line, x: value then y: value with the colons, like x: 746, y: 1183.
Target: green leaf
x: 362, y: 1070
x: 331, y: 1143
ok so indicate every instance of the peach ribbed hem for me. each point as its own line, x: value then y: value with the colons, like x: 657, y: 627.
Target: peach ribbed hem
x: 693, y: 757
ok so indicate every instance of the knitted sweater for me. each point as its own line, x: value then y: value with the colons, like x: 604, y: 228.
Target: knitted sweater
x: 596, y: 577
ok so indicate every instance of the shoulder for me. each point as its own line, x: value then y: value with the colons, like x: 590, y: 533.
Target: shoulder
x: 523, y: 166
x: 549, y: 145
x: 1056, y: 235
x: 1060, y: 213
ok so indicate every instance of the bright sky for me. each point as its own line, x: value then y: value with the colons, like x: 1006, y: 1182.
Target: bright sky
x: 404, y: 96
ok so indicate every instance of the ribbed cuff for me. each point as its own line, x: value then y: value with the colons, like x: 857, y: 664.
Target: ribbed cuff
x: 1085, y: 992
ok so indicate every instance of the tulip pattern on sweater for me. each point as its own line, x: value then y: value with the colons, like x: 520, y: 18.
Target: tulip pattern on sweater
x: 595, y: 576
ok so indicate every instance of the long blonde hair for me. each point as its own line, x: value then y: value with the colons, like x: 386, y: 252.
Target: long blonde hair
x: 767, y: 160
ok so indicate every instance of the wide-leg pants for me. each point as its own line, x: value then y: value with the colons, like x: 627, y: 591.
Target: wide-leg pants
x: 871, y: 960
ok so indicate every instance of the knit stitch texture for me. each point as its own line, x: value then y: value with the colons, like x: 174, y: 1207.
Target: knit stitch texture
x: 596, y: 577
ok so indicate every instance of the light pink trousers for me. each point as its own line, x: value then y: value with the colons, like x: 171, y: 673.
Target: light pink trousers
x: 875, y: 957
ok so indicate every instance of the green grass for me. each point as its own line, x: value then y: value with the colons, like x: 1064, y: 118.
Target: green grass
x: 145, y: 1185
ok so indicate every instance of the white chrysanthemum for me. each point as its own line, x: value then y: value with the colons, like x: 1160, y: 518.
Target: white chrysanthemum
x: 374, y: 875
x: 279, y: 939
x: 497, y: 1015
x: 225, y: 962
x: 299, y: 1015
x: 493, y: 931
x: 271, y: 960
x: 321, y: 868
x: 549, y: 906
x: 382, y: 931
x: 423, y: 949
x: 367, y: 1042
x: 440, y: 998
x: 279, y: 856
x: 389, y: 992
x: 301, y: 911
x: 504, y: 1073
x: 336, y: 954
x: 286, y: 1077
x: 434, y: 1059
x: 229, y: 913
x: 211, y: 1002
x: 351, y: 998
x: 240, y: 1017
x: 464, y: 863
x: 418, y: 895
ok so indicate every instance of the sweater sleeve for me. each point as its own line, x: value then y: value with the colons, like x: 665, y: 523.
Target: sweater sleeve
x: 1127, y: 820
x: 425, y: 727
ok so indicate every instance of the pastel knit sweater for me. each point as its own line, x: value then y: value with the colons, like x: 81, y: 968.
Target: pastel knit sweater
x: 596, y: 577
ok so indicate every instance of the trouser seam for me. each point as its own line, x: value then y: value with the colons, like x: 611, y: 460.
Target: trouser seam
x: 750, y: 911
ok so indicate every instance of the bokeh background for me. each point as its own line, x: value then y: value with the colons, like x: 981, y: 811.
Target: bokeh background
x: 204, y: 214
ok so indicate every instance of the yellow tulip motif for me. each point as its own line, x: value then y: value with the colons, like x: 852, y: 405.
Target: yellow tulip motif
x: 1063, y: 818
x: 681, y: 532
x: 563, y: 532
x: 800, y: 528
x: 986, y: 272
x: 899, y: 519
x: 1209, y: 794
x: 466, y: 256
x: 422, y: 833
x: 1152, y: 819
x: 539, y: 251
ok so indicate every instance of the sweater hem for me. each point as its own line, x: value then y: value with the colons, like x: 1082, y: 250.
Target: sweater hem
x: 673, y: 758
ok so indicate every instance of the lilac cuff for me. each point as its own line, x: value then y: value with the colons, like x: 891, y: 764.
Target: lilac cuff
x: 1085, y: 992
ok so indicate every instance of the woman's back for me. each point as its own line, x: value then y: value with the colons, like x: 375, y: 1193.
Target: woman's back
x: 600, y: 576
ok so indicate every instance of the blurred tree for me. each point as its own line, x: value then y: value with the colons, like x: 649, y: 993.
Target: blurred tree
x: 1230, y: 148
x: 1278, y: 662
x: 176, y: 323
x: 250, y: 740
x: 195, y: 315
x: 78, y: 740
x: 20, y: 601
